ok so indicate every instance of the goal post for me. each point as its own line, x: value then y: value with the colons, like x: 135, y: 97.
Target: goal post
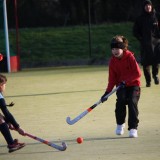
x: 5, y: 24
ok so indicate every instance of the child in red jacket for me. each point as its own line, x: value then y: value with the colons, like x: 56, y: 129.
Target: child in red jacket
x: 124, y: 70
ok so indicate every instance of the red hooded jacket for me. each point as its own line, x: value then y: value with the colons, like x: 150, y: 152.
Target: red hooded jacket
x: 125, y: 69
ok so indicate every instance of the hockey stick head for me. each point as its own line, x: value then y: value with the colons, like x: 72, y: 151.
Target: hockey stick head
x: 68, y: 120
x: 73, y: 121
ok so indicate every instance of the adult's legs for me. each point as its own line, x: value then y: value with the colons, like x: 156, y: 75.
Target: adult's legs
x: 155, y: 70
x: 147, y: 75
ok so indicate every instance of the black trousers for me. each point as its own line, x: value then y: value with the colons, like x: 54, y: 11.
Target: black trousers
x: 128, y: 96
x: 147, y: 73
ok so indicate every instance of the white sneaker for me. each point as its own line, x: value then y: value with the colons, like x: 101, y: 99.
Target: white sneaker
x: 133, y: 133
x: 120, y: 129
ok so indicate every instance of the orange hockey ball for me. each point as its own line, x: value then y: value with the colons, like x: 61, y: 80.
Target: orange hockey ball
x: 79, y: 140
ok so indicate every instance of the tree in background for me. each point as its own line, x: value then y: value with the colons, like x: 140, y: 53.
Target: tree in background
x: 43, y: 13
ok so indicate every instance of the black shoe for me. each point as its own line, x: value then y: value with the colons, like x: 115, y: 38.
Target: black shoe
x: 156, y: 80
x: 148, y: 84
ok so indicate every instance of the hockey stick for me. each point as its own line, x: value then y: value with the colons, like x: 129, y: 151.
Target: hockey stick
x: 60, y: 148
x: 76, y: 119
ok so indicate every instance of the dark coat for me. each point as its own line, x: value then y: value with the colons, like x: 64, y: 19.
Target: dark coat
x: 147, y: 30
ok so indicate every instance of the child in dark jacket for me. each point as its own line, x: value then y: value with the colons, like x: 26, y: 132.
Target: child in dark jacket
x: 124, y: 70
x: 7, y: 120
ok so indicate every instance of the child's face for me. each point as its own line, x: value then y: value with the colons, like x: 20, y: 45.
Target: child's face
x: 117, y: 52
x: 2, y: 87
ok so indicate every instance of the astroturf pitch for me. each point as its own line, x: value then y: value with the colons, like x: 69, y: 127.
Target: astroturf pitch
x: 44, y: 98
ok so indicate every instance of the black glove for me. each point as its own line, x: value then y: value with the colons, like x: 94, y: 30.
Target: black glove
x: 10, y: 105
x: 123, y: 84
x: 103, y: 99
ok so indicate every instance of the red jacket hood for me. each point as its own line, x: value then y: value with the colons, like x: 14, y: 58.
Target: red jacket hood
x: 125, y: 69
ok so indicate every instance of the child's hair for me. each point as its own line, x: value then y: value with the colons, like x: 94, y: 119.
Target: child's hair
x: 119, y: 42
x: 3, y: 79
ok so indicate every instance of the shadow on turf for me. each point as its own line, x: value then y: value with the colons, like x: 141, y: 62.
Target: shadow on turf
x: 98, y: 139
x: 31, y: 152
x: 43, y: 94
x: 74, y: 140
x: 71, y: 141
